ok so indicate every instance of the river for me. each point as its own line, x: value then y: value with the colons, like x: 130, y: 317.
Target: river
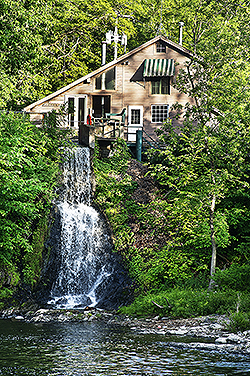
x: 93, y: 348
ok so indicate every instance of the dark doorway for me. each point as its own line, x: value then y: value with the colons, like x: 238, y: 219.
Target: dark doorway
x: 101, y: 105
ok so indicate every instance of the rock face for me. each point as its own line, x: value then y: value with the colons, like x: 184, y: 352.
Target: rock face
x: 81, y: 268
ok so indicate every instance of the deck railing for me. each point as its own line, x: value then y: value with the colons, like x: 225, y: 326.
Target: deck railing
x: 109, y: 128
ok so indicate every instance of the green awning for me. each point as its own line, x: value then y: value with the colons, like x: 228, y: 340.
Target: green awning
x: 158, y: 67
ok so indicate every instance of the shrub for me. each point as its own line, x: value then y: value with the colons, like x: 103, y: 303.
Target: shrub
x: 236, y: 277
x: 239, y: 322
x: 184, y: 303
x: 29, y: 170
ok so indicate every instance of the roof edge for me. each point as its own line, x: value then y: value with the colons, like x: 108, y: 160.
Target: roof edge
x: 172, y: 44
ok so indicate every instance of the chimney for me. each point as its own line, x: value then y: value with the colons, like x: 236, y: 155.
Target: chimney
x: 181, y: 24
x: 104, y: 48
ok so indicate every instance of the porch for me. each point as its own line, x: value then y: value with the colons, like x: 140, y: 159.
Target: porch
x: 106, y: 130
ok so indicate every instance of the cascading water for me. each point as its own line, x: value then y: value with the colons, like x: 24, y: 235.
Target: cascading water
x: 87, y: 271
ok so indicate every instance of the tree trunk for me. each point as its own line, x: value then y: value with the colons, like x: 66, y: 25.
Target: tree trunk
x: 212, y: 235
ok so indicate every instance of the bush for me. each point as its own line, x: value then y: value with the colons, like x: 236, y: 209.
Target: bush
x: 236, y: 277
x: 184, y: 303
x: 239, y: 322
x: 29, y: 170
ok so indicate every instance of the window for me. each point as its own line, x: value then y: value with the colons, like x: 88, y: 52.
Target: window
x: 135, y: 116
x: 159, y: 112
x: 106, y: 81
x: 160, y: 86
x: 160, y: 47
x: 81, y: 110
x: 76, y: 109
x: 100, y: 105
x: 71, y: 111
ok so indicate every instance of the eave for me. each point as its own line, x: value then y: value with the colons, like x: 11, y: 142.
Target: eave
x: 182, y: 50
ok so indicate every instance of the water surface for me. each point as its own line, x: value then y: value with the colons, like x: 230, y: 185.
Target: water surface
x: 79, y: 349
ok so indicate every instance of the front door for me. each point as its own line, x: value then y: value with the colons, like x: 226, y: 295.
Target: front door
x: 135, y: 121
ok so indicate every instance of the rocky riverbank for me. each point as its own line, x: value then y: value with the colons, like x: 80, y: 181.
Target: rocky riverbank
x: 208, y: 333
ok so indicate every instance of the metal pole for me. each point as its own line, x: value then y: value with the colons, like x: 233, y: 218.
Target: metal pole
x: 181, y: 24
x: 104, y: 48
x: 138, y: 144
x: 103, y: 106
x: 116, y: 39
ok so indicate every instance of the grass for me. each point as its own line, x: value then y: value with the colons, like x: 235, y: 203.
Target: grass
x: 186, y: 303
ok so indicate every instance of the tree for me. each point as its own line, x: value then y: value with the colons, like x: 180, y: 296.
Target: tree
x: 205, y: 158
x: 198, y: 167
x: 29, y: 170
x: 46, y: 45
x: 22, y: 58
x: 77, y: 29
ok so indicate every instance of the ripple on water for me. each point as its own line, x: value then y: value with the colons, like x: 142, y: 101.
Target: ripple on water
x: 95, y: 349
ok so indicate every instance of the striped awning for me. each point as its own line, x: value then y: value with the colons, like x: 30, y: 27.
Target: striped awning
x: 158, y: 67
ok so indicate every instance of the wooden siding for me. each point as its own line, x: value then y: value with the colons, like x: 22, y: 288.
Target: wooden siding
x: 130, y: 89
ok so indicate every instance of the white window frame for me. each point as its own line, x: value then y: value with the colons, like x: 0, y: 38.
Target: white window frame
x: 153, y: 108
x: 76, y: 99
x: 132, y: 128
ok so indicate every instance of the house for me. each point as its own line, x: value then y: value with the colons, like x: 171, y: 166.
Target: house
x: 140, y: 83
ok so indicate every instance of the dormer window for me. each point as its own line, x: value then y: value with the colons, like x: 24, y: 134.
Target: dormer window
x: 160, y: 47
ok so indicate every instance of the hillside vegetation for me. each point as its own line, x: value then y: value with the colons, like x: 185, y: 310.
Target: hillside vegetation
x: 190, y: 213
x: 166, y: 244
x: 29, y: 171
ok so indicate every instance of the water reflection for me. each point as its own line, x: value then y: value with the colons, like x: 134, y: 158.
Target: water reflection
x: 96, y: 349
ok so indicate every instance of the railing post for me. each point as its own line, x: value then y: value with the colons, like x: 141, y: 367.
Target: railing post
x: 119, y: 130
x: 138, y: 144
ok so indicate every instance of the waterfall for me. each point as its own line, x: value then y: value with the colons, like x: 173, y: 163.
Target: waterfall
x: 87, y: 270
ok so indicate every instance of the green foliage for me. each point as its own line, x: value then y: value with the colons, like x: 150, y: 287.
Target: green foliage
x: 184, y: 303
x: 26, y: 180
x: 56, y: 139
x: 239, y: 322
x: 32, y: 261
x: 236, y: 277
x: 29, y: 169
x: 200, y: 167
x: 113, y: 187
x: 148, y: 251
x: 46, y: 45
x: 9, y: 280
x: 165, y: 266
x: 5, y: 293
x: 22, y: 57
x: 175, y: 261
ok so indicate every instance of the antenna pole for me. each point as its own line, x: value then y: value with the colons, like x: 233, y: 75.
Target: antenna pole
x: 181, y: 24
x: 160, y: 29
x: 115, y: 37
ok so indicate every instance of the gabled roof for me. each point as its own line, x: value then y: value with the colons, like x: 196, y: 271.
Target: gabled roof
x: 177, y: 47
